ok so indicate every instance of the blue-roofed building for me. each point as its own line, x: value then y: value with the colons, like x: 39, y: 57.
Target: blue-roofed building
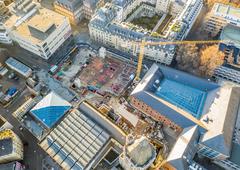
x: 50, y: 109
x: 182, y: 101
x: 19, y: 67
x: 174, y: 95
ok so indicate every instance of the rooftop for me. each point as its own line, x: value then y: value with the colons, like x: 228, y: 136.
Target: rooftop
x: 71, y: 4
x: 221, y: 128
x: 141, y: 152
x: 232, y: 34
x: 28, y: 25
x: 187, y: 99
x: 75, y: 142
x: 183, y: 147
x: 6, y: 146
x: 50, y: 109
x: 227, y: 11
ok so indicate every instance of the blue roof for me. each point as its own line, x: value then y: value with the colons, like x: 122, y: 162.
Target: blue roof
x: 50, y: 115
x: 50, y: 109
x: 177, y: 88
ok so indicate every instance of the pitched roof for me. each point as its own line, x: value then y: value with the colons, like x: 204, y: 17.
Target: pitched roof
x: 50, y: 109
x: 183, y: 144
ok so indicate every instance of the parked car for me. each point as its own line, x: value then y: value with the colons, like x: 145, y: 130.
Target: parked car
x: 12, y: 75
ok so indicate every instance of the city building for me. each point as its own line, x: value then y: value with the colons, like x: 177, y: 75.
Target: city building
x: 230, y: 45
x: 112, y: 26
x: 4, y: 14
x: 19, y: 67
x: 11, y: 147
x: 83, y: 139
x: 50, y: 109
x: 76, y: 142
x: 227, y: 73
x: 230, y: 35
x: 90, y: 7
x: 71, y: 9
x: 4, y: 124
x: 220, y: 16
x: 76, y: 10
x: 181, y: 101
x: 22, y: 26
x: 12, y: 166
x: 183, y: 150
x: 138, y: 154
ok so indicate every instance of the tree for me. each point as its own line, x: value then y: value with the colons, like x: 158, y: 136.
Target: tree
x: 234, y: 3
x: 210, y: 59
x: 188, y: 58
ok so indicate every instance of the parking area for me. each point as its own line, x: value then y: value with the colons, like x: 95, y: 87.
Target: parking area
x: 11, y: 85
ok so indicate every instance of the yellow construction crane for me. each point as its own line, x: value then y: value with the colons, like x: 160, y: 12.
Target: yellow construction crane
x: 143, y: 43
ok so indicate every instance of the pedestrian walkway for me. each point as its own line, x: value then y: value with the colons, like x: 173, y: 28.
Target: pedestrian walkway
x: 159, y: 22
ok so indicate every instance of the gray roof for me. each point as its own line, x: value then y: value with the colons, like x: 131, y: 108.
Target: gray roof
x: 223, y: 114
x: 184, y: 147
x: 144, y: 92
x: 8, y: 166
x: 70, y: 4
x: 6, y: 146
x: 232, y: 34
x: 235, y: 154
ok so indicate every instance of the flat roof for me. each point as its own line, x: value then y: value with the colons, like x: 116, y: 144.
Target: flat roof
x: 22, y: 68
x: 6, y: 146
x: 184, y: 96
x: 75, y: 142
x: 33, y: 18
x: 232, y: 34
x: 227, y: 11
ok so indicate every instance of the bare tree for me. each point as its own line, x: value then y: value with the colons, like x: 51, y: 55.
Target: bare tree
x: 188, y: 58
x: 235, y: 3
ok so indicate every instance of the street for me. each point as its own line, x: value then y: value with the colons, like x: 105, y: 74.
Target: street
x: 33, y: 154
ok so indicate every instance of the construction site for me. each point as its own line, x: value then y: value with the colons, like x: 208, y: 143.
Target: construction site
x: 97, y: 74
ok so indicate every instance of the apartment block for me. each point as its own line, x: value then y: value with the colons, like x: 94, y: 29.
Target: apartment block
x: 71, y: 9
x: 111, y: 26
x: 220, y: 16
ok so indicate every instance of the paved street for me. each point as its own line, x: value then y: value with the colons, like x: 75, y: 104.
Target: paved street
x: 33, y: 154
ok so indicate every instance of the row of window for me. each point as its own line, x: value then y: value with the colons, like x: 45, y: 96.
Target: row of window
x: 208, y: 152
x: 155, y: 114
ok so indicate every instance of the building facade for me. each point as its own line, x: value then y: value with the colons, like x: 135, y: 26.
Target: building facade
x: 220, y: 16
x: 23, y: 27
x: 110, y: 26
x: 4, y: 14
x: 163, y: 100
x: 71, y: 9
x: 78, y: 9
